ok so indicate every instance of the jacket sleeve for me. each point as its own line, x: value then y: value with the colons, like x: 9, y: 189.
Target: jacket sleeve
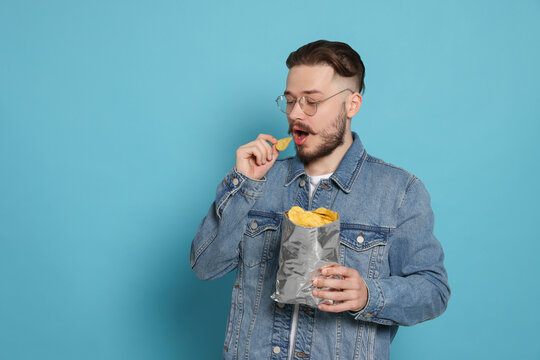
x: 417, y: 288
x: 214, y: 250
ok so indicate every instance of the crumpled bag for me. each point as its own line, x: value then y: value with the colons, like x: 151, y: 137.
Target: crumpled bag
x: 304, y: 250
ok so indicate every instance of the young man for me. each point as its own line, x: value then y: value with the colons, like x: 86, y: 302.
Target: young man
x: 391, y: 265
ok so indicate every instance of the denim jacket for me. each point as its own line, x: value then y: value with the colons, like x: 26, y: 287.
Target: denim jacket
x: 386, y: 234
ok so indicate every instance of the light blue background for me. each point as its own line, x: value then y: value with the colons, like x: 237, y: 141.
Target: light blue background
x: 119, y: 118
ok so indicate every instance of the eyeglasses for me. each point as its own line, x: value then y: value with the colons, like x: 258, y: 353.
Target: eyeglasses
x: 308, y: 105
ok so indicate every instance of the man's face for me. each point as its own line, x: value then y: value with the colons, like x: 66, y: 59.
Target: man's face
x: 318, y: 135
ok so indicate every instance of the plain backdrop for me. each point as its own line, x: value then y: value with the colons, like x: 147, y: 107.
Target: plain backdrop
x: 118, y: 119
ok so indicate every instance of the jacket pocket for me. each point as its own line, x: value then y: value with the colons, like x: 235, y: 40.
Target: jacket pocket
x: 363, y: 248
x: 261, y: 238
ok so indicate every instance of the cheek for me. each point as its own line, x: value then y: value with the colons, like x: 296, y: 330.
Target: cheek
x: 323, y: 120
x: 315, y: 123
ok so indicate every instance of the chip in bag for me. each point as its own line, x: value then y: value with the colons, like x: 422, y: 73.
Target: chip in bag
x: 309, y: 240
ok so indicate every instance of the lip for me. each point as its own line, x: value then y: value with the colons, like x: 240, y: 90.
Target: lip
x: 299, y: 139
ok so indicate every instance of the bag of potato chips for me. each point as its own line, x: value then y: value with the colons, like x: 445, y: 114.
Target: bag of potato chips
x: 309, y: 240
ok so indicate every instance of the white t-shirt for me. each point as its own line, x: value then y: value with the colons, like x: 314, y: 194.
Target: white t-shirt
x: 314, y: 181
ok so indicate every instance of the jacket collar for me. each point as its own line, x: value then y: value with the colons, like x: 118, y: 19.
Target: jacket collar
x: 345, y: 174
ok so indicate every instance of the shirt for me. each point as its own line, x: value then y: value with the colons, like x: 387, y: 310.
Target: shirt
x: 314, y: 182
x: 386, y: 234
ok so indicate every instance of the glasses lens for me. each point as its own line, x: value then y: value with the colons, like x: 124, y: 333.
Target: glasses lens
x: 286, y: 103
x: 282, y: 103
x: 309, y: 106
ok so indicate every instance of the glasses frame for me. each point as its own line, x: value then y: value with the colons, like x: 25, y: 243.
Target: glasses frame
x: 302, y: 100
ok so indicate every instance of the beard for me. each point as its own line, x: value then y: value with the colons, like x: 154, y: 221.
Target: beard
x: 331, y: 138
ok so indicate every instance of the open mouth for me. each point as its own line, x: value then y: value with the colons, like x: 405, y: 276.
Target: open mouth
x: 300, y: 136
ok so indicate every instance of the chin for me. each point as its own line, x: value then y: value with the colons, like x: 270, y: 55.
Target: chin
x: 306, y: 157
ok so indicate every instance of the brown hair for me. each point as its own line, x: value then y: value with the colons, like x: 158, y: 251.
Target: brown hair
x: 340, y: 56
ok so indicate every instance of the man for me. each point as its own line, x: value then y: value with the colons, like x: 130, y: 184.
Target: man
x: 391, y: 267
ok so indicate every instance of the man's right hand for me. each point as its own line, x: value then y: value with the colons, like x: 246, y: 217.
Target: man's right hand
x: 254, y: 159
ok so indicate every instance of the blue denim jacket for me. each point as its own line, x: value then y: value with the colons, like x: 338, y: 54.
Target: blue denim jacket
x: 386, y: 234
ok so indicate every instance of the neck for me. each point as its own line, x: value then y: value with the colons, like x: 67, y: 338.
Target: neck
x: 330, y: 163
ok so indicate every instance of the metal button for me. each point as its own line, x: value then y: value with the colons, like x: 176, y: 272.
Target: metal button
x: 254, y: 225
x: 280, y: 305
x: 235, y: 181
x: 276, y: 350
x: 302, y: 183
x: 360, y: 238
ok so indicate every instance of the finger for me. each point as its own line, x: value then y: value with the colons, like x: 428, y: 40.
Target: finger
x: 267, y: 149
x: 275, y: 154
x: 337, y: 284
x: 339, y: 270
x: 263, y: 148
x: 332, y: 295
x: 267, y: 137
x: 256, y: 154
x: 337, y: 307
x: 327, y: 266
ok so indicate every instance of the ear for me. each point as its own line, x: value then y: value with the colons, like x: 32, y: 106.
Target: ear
x: 353, y: 105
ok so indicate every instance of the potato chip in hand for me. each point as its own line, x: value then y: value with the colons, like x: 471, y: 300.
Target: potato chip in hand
x: 283, y: 143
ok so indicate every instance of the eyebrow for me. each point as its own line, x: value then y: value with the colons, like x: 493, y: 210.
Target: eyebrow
x: 308, y: 92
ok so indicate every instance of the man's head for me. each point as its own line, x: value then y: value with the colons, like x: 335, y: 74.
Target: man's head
x: 341, y: 57
x: 326, y: 78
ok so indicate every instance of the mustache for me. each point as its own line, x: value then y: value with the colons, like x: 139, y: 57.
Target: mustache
x: 301, y: 126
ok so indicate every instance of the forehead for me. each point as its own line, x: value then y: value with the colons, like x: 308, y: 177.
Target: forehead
x: 306, y: 78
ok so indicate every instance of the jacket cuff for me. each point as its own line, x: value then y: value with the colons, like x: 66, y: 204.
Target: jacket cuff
x: 235, y: 182
x: 374, y: 305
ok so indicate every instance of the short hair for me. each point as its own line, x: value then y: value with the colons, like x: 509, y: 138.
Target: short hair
x: 340, y: 56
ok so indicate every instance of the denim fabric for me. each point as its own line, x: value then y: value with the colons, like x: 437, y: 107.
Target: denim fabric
x: 386, y: 234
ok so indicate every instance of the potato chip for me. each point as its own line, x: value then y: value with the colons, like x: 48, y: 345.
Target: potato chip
x: 283, y: 143
x: 316, y: 218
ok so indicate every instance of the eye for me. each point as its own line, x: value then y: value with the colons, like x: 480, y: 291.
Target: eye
x: 290, y: 100
x: 311, y: 101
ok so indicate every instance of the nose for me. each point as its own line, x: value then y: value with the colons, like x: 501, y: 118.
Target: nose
x: 297, y: 112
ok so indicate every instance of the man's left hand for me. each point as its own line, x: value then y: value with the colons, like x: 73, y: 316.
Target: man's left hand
x: 348, y: 293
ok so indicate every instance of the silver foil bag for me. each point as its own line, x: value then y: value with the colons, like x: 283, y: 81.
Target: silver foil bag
x: 304, y: 250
